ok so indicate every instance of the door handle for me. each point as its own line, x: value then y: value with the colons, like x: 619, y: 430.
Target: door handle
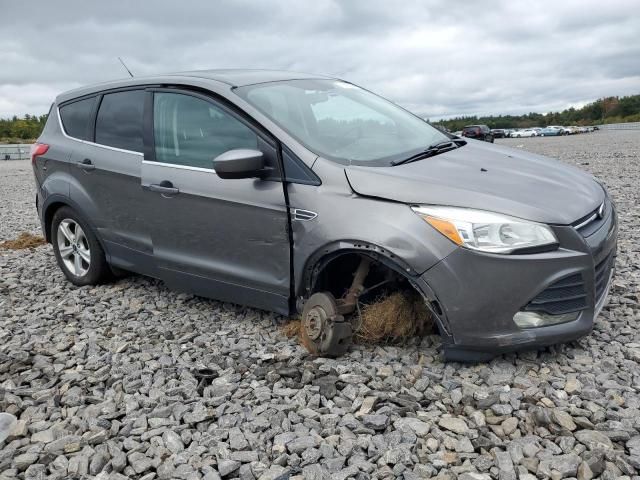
x: 165, y: 187
x: 86, y: 165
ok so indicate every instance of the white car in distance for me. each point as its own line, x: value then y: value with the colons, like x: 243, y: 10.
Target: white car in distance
x: 529, y: 132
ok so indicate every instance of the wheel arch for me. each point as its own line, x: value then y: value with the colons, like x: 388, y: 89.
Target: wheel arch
x: 48, y: 212
x: 323, y: 256
x: 329, y: 252
x: 54, y: 203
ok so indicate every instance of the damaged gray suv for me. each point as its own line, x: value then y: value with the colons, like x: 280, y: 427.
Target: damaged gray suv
x: 304, y: 194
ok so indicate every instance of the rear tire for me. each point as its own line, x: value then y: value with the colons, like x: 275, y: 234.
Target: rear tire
x: 77, y: 249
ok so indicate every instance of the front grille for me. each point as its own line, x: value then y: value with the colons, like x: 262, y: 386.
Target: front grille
x: 602, y: 273
x: 564, y: 296
x: 591, y: 223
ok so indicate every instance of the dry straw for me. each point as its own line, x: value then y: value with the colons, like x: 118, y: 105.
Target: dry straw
x: 24, y: 240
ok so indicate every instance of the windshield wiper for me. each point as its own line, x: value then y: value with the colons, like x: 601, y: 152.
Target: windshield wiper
x: 432, y: 150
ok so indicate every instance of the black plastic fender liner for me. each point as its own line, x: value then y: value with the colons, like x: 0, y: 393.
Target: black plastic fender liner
x: 318, y: 260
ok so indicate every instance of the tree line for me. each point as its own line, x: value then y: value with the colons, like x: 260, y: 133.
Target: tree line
x: 602, y: 111
x: 21, y: 129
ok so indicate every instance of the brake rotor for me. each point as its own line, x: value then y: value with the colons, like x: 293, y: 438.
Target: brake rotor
x: 324, y: 330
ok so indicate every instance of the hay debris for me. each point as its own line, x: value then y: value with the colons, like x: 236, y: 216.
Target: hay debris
x: 394, y: 318
x: 24, y: 240
x: 292, y: 328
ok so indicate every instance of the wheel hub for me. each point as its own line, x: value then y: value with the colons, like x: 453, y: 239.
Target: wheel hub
x: 326, y: 331
x: 315, y: 322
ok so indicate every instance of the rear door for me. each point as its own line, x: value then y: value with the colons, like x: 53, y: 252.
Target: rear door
x: 107, y: 167
x: 225, y: 239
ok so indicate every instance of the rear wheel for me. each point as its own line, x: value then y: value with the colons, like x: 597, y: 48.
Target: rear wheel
x: 77, y: 249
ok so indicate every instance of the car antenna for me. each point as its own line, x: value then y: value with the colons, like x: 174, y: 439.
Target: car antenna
x: 125, y: 67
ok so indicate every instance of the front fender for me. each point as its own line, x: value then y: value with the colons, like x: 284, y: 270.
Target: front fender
x: 344, y: 219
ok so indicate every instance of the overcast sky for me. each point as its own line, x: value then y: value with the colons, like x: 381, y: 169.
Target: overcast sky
x: 438, y: 58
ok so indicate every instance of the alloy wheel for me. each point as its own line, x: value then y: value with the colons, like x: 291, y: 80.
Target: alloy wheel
x: 73, y: 246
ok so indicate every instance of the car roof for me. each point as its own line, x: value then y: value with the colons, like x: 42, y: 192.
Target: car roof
x: 243, y: 77
x: 230, y: 77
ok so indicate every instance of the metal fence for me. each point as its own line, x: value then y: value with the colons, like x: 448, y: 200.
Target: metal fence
x: 16, y: 151
x: 620, y: 126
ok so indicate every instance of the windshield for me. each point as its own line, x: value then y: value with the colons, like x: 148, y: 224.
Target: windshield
x: 342, y: 122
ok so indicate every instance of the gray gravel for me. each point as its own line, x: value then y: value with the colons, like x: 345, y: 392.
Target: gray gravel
x: 131, y: 380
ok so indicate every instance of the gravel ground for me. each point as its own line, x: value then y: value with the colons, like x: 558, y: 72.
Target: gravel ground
x: 131, y: 380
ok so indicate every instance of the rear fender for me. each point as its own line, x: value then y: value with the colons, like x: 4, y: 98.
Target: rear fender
x: 55, y: 201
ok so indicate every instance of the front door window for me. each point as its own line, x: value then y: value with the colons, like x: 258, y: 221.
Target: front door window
x: 190, y: 131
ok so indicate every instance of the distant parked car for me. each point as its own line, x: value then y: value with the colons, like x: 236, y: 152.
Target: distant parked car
x: 498, y: 133
x: 564, y: 130
x: 458, y: 133
x: 529, y: 132
x: 478, y: 132
x: 550, y: 132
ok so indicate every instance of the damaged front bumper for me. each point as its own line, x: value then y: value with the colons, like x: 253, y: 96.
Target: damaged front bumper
x: 477, y: 295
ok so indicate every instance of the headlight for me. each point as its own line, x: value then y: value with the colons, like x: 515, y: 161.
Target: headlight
x: 486, y: 231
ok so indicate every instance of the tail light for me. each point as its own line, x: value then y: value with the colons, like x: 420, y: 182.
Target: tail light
x: 38, y: 149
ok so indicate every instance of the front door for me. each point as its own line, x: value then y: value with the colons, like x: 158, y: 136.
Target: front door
x: 224, y: 239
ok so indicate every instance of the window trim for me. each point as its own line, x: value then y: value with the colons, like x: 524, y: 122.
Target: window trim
x: 217, y: 101
x: 182, y: 167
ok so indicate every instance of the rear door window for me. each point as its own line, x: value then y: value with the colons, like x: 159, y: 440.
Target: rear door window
x: 192, y: 132
x: 76, y: 118
x: 119, y: 120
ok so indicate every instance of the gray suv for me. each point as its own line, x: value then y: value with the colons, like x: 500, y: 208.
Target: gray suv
x: 304, y: 194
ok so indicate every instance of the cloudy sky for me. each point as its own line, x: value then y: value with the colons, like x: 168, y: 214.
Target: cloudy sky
x: 438, y: 58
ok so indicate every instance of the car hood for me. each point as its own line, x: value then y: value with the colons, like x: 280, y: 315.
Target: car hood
x: 486, y: 177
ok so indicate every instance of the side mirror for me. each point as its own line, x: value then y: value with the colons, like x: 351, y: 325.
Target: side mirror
x: 239, y: 163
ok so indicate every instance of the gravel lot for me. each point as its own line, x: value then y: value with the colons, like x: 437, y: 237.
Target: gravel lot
x: 131, y: 380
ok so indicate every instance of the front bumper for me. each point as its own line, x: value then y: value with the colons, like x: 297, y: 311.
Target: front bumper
x: 478, y: 294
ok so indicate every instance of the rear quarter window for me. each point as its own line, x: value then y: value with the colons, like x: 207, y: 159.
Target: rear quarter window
x: 76, y: 118
x: 119, y: 120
